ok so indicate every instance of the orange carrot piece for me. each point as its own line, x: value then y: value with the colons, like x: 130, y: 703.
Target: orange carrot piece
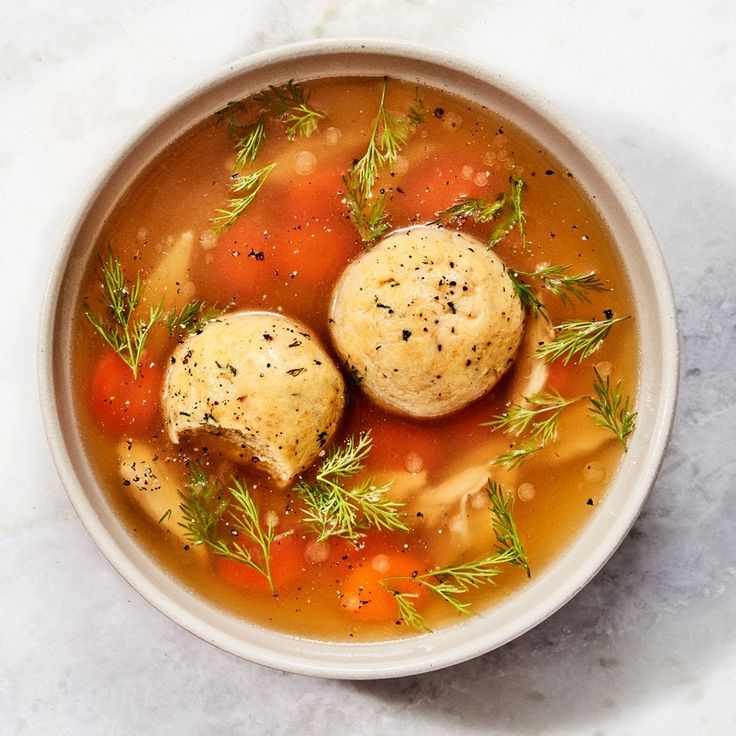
x: 121, y: 403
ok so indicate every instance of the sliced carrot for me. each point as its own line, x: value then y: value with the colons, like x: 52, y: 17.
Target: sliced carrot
x: 121, y: 403
x: 314, y: 239
x: 434, y: 185
x: 244, y: 264
x: 333, y: 552
x: 560, y: 375
x: 398, y: 442
x: 401, y: 443
x: 295, y: 235
x: 364, y: 596
x: 287, y: 564
x: 342, y: 555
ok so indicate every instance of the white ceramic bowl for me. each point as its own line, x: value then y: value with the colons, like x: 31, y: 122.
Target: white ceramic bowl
x: 658, y: 351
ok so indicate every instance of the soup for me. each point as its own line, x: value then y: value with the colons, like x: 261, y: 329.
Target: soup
x: 354, y: 358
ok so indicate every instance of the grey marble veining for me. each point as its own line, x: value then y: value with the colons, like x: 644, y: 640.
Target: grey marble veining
x: 649, y: 646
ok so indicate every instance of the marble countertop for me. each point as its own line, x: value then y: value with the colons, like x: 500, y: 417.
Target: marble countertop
x: 649, y: 646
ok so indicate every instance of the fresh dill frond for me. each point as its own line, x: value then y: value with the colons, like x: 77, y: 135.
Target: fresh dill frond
x: 346, y: 460
x: 480, y: 209
x: 512, y: 215
x: 407, y: 611
x: 289, y: 103
x: 249, y: 144
x: 231, y: 116
x: 417, y: 112
x: 124, y: 333
x: 245, y: 518
x: 540, y: 414
x: 368, y: 217
x: 517, y: 454
x: 466, y: 575
x: 448, y: 583
x: 165, y: 516
x: 250, y: 183
x: 248, y: 135
x: 393, y: 134
x: 334, y: 510
x: 563, y: 285
x: 506, y: 209
x: 527, y: 295
x: 568, y: 286
x: 433, y: 581
x: 192, y: 316
x: 576, y: 339
x: 388, y: 135
x: 203, y: 508
x: 504, y: 525
x: 611, y: 409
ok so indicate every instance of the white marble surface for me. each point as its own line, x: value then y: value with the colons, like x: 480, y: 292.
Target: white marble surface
x: 650, y: 646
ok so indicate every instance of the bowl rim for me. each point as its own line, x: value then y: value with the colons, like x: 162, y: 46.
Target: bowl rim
x: 371, y: 663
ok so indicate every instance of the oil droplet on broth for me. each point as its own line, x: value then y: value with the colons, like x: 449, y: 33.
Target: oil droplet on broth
x: 594, y: 472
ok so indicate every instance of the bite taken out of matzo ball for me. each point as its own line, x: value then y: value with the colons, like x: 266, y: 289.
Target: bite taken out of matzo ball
x: 427, y: 321
x: 263, y: 384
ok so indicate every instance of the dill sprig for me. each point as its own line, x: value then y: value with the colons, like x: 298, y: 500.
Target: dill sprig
x: 249, y: 136
x: 192, y: 316
x: 507, y: 209
x: 540, y: 414
x: 250, y: 183
x: 165, y: 516
x: 203, y: 508
x: 289, y: 103
x: 126, y: 335
x: 480, y: 209
x: 334, y: 510
x: 248, y: 145
x: 576, y: 339
x: 504, y: 524
x: 231, y: 116
x: 245, y: 519
x: 390, y: 132
x: 565, y: 286
x: 417, y: 112
x: 388, y: 135
x: 517, y: 454
x: 448, y: 583
x: 405, y: 608
x: 611, y: 409
x: 512, y: 215
x: 369, y: 219
x: 527, y: 295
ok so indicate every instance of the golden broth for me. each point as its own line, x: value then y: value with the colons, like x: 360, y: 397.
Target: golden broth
x: 285, y: 253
